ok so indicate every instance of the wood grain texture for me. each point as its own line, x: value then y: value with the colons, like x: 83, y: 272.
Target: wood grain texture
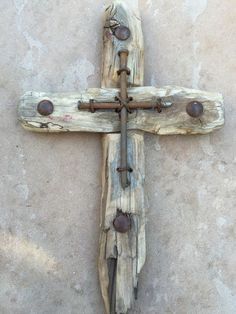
x: 174, y: 120
x: 125, y: 14
x: 128, y: 250
x: 122, y: 256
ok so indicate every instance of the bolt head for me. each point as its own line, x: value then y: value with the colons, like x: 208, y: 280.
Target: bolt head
x: 45, y: 107
x: 195, y: 109
x: 122, y: 32
x: 122, y: 223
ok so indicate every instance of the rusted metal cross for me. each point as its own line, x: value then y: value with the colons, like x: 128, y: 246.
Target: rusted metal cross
x: 126, y: 105
x: 122, y: 109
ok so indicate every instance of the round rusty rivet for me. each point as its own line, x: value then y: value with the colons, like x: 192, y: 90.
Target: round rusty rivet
x: 122, y: 223
x: 45, y: 107
x: 122, y: 32
x: 195, y: 109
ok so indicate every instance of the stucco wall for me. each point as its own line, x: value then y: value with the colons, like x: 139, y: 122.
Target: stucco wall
x: 50, y: 184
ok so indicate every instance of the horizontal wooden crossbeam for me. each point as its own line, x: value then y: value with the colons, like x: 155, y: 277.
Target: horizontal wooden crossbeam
x: 66, y: 116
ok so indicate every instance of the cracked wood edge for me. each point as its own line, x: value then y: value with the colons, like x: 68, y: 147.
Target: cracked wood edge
x: 122, y: 256
x: 173, y: 120
x: 127, y: 250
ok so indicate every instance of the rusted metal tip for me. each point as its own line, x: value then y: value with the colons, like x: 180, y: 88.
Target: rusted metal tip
x: 123, y: 51
x: 122, y: 223
x: 122, y: 33
x: 195, y: 109
x: 45, y: 107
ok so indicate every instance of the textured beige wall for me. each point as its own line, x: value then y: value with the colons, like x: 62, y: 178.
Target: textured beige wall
x: 50, y: 184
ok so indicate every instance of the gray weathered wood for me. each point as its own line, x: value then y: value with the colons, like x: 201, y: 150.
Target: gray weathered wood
x: 128, y: 250
x: 126, y: 14
x: 174, y: 120
x: 122, y: 256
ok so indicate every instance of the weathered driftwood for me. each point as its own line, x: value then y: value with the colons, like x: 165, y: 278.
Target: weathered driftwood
x: 125, y: 14
x: 122, y: 256
x: 173, y: 120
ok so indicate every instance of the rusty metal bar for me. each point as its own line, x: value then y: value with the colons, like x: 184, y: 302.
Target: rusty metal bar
x: 133, y: 105
x: 123, y: 54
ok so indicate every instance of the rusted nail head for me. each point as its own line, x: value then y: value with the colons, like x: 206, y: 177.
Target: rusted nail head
x: 122, y: 223
x: 122, y: 32
x: 45, y: 107
x: 195, y: 109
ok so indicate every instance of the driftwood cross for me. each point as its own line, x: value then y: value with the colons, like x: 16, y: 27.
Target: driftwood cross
x: 123, y: 110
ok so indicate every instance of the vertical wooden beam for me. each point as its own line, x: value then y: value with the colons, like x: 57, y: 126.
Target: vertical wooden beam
x: 122, y: 256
